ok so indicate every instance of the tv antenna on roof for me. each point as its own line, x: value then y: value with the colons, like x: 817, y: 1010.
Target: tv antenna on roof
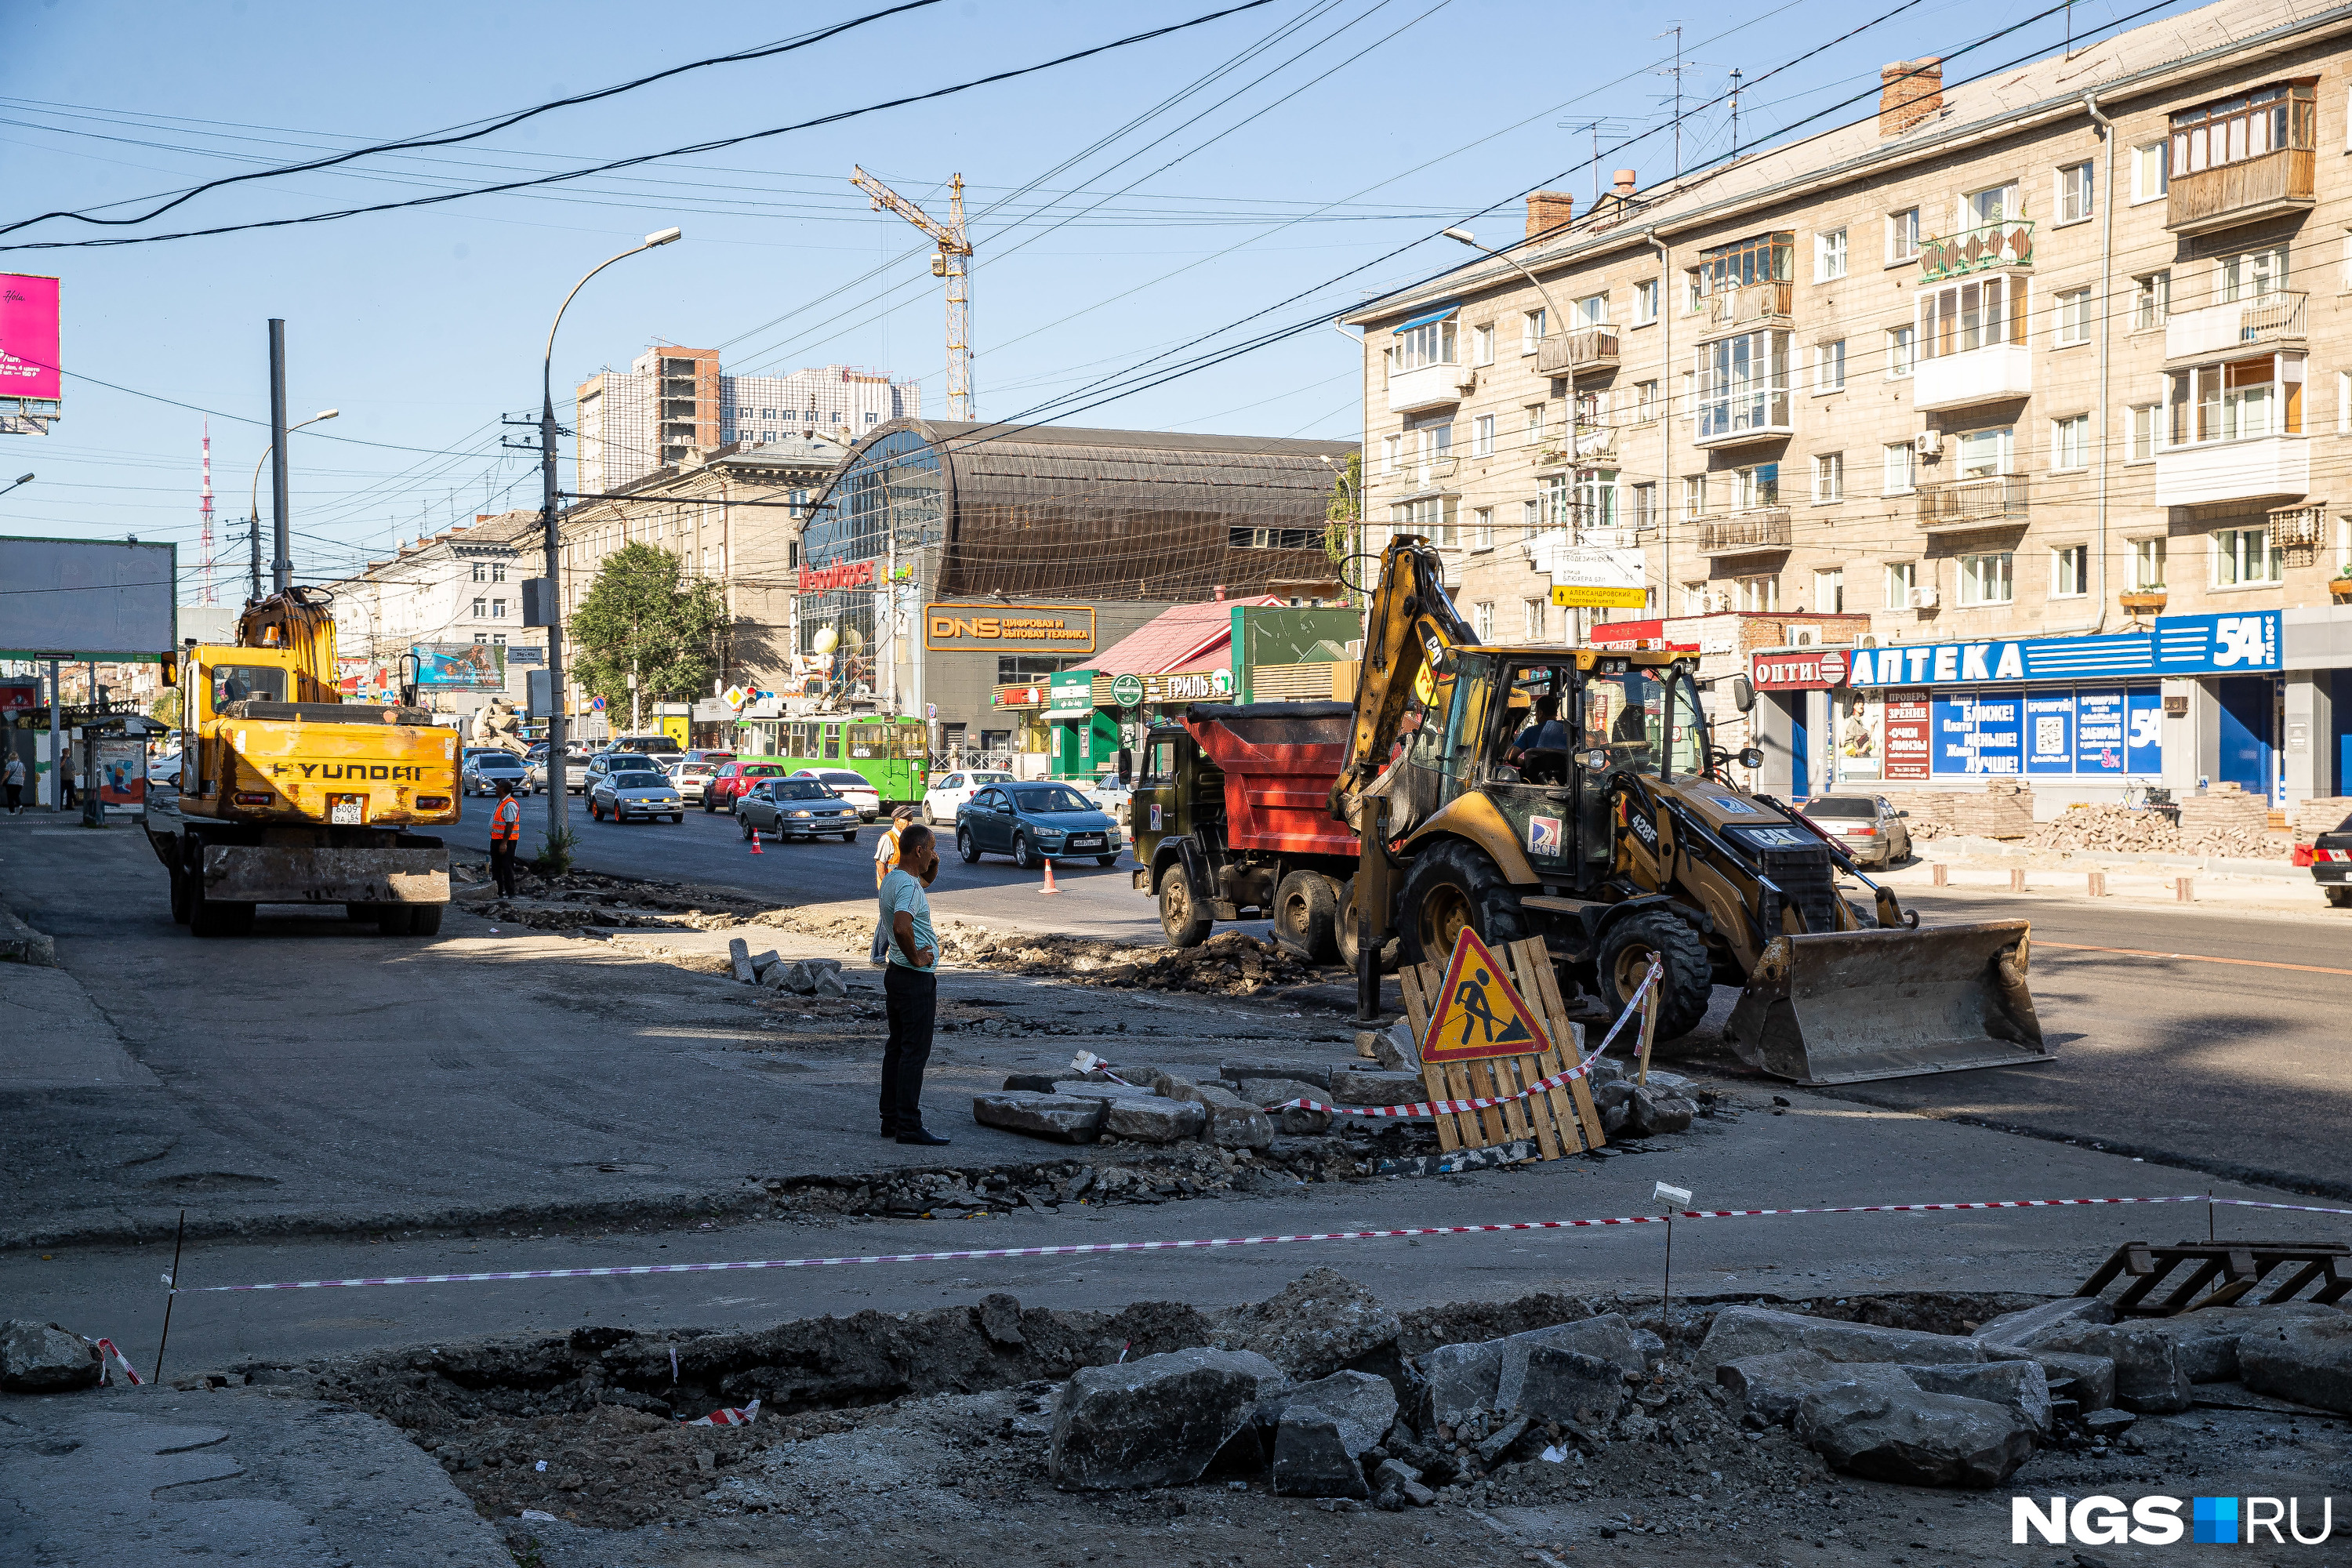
x: 1617, y: 130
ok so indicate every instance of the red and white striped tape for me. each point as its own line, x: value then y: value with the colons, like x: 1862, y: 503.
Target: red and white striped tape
x: 1070, y: 1249
x: 743, y: 1417
x: 106, y: 1348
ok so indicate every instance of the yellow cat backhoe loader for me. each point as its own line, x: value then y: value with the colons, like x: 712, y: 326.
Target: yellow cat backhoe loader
x: 1574, y: 795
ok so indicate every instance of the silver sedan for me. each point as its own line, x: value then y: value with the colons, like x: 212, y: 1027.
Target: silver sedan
x: 624, y: 793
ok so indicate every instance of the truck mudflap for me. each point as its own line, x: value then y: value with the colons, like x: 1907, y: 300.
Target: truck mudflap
x: 272, y: 874
x: 1850, y: 1007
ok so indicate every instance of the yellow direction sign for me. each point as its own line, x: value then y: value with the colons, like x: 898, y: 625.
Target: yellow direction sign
x: 1480, y: 1012
x: 1591, y: 596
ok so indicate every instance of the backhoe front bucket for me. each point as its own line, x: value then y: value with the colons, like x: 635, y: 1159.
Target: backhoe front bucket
x: 1849, y: 1006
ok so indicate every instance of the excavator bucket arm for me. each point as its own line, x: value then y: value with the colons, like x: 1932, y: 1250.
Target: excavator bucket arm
x: 1412, y: 624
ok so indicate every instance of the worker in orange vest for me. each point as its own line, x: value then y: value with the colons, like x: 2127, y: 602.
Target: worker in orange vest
x: 506, y: 834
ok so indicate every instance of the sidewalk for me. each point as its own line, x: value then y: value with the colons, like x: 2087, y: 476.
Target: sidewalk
x: 1983, y: 865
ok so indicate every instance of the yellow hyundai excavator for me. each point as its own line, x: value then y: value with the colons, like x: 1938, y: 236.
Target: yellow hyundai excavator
x: 1574, y: 793
x: 290, y: 795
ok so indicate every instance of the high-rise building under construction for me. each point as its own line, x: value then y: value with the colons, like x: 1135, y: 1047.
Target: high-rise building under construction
x: 671, y: 401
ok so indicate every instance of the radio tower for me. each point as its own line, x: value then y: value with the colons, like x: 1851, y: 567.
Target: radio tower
x: 206, y: 508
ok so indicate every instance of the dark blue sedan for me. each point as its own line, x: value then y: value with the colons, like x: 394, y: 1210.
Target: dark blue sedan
x: 1034, y: 823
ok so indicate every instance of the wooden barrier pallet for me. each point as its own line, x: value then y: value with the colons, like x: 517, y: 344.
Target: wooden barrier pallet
x: 1563, y: 1119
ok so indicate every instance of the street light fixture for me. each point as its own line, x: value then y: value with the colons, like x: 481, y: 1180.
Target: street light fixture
x: 1552, y: 317
x: 253, y: 514
x: 559, y: 810
x: 21, y: 479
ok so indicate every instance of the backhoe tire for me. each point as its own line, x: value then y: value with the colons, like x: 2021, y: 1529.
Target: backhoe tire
x: 1688, y: 984
x: 1450, y: 886
x: 211, y: 917
x: 183, y: 896
x: 1344, y: 932
x: 427, y: 920
x: 1305, y: 909
x: 1182, y: 915
x: 397, y: 919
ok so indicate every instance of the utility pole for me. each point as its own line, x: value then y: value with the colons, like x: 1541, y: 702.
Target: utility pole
x: 253, y: 530
x: 955, y: 251
x: 281, y: 569
x: 1734, y: 110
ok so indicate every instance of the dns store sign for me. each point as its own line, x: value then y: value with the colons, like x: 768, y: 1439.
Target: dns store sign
x: 1008, y: 628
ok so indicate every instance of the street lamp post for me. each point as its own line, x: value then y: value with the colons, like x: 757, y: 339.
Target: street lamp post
x: 254, y: 501
x: 21, y: 479
x: 559, y: 810
x: 1551, y: 312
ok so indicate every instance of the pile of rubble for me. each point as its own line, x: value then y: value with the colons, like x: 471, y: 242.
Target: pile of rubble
x: 2125, y: 830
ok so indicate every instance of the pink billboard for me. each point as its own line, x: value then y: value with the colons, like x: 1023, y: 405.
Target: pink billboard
x: 28, y: 337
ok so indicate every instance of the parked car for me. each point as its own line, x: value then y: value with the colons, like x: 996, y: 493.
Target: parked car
x: 795, y: 808
x: 2329, y: 855
x: 1112, y: 798
x: 691, y: 776
x: 946, y: 796
x: 661, y: 748
x: 849, y: 787
x: 1034, y: 821
x: 486, y: 766
x: 718, y: 792
x: 707, y: 754
x: 575, y: 767
x: 622, y: 785
x: 1870, y: 829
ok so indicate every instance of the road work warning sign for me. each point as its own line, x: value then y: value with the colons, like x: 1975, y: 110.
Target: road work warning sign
x: 1479, y: 1013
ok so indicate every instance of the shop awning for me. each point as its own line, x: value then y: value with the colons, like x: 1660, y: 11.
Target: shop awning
x: 1443, y: 313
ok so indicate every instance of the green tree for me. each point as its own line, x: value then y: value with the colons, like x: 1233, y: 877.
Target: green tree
x: 165, y: 708
x: 1343, y: 529
x: 642, y: 616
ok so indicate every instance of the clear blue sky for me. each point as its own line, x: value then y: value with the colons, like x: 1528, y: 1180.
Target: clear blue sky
x: 422, y: 327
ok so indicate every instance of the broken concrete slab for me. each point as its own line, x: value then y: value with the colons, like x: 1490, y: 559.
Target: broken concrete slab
x: 1394, y: 1048
x: 1325, y: 1428
x: 1352, y: 1088
x: 829, y: 982
x: 1608, y: 1338
x: 1556, y: 1382
x: 2019, y: 1385
x: 1460, y: 1380
x: 1317, y: 1073
x: 2209, y: 1338
x: 1755, y: 1331
x: 2308, y: 1360
x: 1064, y: 1118
x: 1234, y: 1122
x: 2088, y: 1380
x: 2019, y: 1328
x: 2105, y: 1425
x: 2149, y: 1375
x: 45, y: 1358
x: 1653, y: 1111
x: 1771, y: 1385
x: 1087, y: 1089
x: 1157, y: 1421
x: 1315, y: 1325
x: 1915, y: 1438
x: 738, y: 960
x: 1151, y: 1120
x: 763, y: 961
x: 1000, y: 1319
x: 1265, y: 1092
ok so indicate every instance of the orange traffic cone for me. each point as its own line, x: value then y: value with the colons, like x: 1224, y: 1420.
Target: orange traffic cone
x: 755, y: 845
x: 1049, y: 877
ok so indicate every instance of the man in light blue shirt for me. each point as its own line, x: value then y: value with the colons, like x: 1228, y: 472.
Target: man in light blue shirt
x: 910, y: 986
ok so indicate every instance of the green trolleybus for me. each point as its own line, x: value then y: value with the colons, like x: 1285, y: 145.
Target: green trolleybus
x: 891, y: 754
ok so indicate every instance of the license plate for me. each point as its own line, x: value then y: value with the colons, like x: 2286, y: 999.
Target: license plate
x: 1094, y: 842
x: 346, y: 811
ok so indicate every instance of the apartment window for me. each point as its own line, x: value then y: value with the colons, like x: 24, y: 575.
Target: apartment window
x: 1432, y: 447
x: 1756, y: 593
x: 2070, y: 570
x: 1743, y: 384
x: 1645, y: 302
x: 1902, y: 468
x: 2141, y: 447
x: 1592, y: 310
x: 1431, y: 517
x: 1693, y: 495
x: 1389, y: 446
x: 2236, y: 128
x: 2236, y: 401
x: 2070, y: 442
x: 2074, y: 191
x: 1482, y: 344
x: 1986, y: 453
x: 2072, y: 316
x: 1645, y: 402
x: 1987, y: 579
x: 497, y: 639
x: 1482, y: 528
x: 1645, y: 506
x: 1902, y: 579
x: 2148, y: 564
x: 1589, y: 409
x: 1829, y: 477
x: 1829, y: 591
x: 1695, y: 599
x: 1975, y: 315
x: 2244, y: 556
x: 1755, y: 488
x: 1531, y: 331
x: 1416, y: 348
x: 1829, y: 366
x: 1482, y: 435
x: 2250, y: 274
x: 1829, y: 256
x: 481, y: 574
x: 1902, y: 350
x: 1902, y: 234
x: 481, y: 636
x: 498, y: 609
x: 2151, y: 300
x: 497, y: 571
x: 1996, y: 204
x: 2151, y: 167
x: 1596, y: 498
x: 481, y: 608
x: 1534, y: 424
x: 1482, y: 620
x: 1531, y: 619
x: 1530, y: 519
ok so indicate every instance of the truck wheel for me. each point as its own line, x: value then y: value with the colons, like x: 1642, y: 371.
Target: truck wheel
x: 1305, y: 907
x: 424, y: 919
x: 1689, y: 980
x: 1343, y: 931
x: 184, y: 895
x: 210, y: 918
x: 396, y: 920
x: 1451, y: 886
x: 1181, y: 915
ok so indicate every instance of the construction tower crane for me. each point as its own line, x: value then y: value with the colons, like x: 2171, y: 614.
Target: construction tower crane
x: 955, y: 247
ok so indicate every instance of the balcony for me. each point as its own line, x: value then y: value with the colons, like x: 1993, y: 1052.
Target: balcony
x: 1746, y: 416
x: 1990, y: 375
x: 1746, y: 308
x: 1755, y: 530
x: 2245, y: 192
x: 1431, y: 386
x: 2223, y: 332
x: 1978, y: 249
x: 1583, y: 352
x: 1995, y: 502
x: 2251, y: 468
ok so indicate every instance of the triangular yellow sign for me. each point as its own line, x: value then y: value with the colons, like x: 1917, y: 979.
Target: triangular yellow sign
x: 1479, y: 1013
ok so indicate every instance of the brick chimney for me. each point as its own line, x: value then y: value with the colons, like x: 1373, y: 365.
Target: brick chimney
x: 1549, y: 210
x: 1624, y: 180
x: 1908, y: 93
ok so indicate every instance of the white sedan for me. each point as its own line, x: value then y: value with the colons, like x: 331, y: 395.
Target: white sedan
x: 851, y: 787
x: 947, y: 795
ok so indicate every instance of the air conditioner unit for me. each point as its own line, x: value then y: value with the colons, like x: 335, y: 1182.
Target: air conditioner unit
x: 1929, y: 443
x: 1804, y: 637
x: 1869, y: 642
x: 1923, y: 598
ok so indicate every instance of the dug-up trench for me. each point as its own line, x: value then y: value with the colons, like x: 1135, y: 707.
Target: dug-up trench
x: 924, y: 1437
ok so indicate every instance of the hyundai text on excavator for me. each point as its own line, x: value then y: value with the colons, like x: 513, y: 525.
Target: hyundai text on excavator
x: 290, y: 795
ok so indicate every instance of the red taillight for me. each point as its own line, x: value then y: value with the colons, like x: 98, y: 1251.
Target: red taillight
x: 251, y: 797
x: 432, y: 803
x: 1863, y: 832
